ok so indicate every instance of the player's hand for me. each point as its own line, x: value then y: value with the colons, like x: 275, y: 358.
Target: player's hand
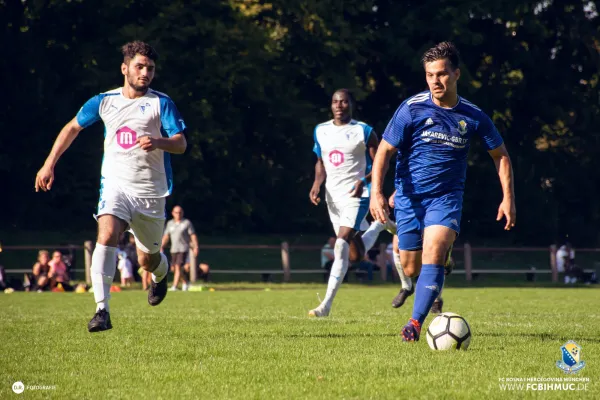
x: 196, y: 252
x: 147, y: 143
x: 357, y: 189
x: 391, y: 200
x: 314, y: 195
x: 508, y: 210
x: 44, y: 179
x: 379, y: 207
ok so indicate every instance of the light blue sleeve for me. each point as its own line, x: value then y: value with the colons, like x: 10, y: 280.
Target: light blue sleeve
x: 399, y: 127
x: 367, y: 129
x: 90, y: 112
x: 170, y: 119
x: 488, y: 133
x: 316, y: 147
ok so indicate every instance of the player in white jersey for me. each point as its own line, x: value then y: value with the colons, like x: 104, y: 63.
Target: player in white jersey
x: 142, y: 127
x: 344, y: 149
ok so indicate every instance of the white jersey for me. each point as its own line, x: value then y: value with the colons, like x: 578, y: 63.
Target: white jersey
x: 125, y: 165
x: 345, y: 156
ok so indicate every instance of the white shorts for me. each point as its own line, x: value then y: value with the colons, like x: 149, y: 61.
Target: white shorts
x: 146, y: 216
x: 351, y: 213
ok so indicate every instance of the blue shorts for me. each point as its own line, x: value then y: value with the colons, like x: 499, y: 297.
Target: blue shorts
x: 415, y: 213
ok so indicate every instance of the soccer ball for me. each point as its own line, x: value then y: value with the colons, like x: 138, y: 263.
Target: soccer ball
x: 449, y: 331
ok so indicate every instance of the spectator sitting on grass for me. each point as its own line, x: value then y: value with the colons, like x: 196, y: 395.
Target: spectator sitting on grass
x: 58, y: 272
x: 41, y: 271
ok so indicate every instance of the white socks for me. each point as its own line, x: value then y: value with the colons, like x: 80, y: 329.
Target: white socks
x: 104, y: 265
x: 370, y: 236
x: 338, y: 270
x: 161, y: 271
x: 406, y: 281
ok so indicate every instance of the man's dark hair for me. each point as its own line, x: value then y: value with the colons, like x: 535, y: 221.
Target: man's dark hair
x: 348, y: 93
x: 440, y: 51
x: 130, y: 49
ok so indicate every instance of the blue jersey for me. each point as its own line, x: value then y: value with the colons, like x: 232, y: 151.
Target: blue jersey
x: 433, y: 143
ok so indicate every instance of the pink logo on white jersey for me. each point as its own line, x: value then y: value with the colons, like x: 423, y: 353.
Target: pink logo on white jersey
x: 336, y: 157
x: 126, y: 137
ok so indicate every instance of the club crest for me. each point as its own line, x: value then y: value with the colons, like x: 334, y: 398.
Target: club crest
x: 462, y: 127
x: 143, y: 107
x: 571, y: 358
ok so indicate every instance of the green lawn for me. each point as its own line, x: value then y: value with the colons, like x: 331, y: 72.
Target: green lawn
x: 256, y: 344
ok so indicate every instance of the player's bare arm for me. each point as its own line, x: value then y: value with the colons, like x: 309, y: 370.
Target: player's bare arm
x: 175, y: 144
x: 507, y: 208
x: 45, y: 176
x: 379, y: 204
x: 194, y: 239
x: 372, y: 144
x: 320, y: 176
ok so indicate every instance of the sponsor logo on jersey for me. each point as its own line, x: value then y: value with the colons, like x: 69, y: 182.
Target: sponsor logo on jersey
x: 336, y: 157
x: 126, y: 137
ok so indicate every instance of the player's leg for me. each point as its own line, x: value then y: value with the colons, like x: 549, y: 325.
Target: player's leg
x: 438, y: 304
x: 339, y: 269
x: 104, y: 264
x: 436, y: 242
x: 346, y: 220
x: 407, y: 288
x: 408, y: 243
x: 442, y: 221
x: 148, y: 230
x: 372, y: 233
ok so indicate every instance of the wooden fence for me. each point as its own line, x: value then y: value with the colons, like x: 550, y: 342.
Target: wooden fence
x: 286, y: 259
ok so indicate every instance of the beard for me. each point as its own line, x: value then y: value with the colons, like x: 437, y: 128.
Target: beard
x: 136, y: 85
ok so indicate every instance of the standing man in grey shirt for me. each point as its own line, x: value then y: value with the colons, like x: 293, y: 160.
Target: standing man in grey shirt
x: 182, y: 235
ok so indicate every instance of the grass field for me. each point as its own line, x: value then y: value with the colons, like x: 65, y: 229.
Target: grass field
x: 256, y: 344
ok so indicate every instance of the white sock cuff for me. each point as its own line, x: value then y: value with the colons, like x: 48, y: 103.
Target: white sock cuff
x: 162, y: 269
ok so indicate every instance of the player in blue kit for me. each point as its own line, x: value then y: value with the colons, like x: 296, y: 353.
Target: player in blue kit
x: 431, y: 132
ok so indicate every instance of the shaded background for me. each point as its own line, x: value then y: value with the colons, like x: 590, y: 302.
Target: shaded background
x: 252, y: 79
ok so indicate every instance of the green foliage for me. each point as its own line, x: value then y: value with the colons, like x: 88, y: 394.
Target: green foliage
x: 253, y: 78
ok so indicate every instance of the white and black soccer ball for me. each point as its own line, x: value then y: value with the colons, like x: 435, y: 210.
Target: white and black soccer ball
x: 449, y: 331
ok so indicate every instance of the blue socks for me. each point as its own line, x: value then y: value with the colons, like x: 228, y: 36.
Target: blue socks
x: 429, y: 285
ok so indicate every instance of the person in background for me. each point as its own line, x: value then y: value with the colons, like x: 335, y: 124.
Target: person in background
x: 180, y: 232
x: 41, y: 270
x: 58, y: 271
x: 565, y: 263
x: 125, y: 268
